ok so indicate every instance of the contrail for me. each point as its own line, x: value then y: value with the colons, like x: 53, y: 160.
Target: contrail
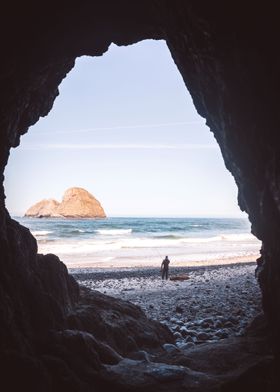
x: 159, y: 125
x: 120, y: 147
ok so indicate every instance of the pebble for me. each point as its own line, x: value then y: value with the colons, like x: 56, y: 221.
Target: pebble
x: 186, y: 346
x: 177, y: 335
x: 203, y: 336
x: 183, y: 331
x: 217, y: 302
x: 169, y: 348
x: 221, y: 334
x: 192, y: 332
x: 174, y: 320
x: 179, y: 309
x: 209, y: 320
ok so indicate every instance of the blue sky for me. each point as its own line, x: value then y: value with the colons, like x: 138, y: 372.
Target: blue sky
x: 124, y: 127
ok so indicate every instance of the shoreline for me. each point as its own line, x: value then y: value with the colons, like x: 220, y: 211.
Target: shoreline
x: 132, y: 264
x: 216, y: 302
x: 99, y: 274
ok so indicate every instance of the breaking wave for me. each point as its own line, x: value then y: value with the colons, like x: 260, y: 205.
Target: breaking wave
x: 114, y: 231
x: 39, y: 233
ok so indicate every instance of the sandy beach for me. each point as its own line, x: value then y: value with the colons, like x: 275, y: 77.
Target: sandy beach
x: 217, y: 301
x: 142, y: 263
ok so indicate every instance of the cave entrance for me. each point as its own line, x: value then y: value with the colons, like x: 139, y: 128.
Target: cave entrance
x: 125, y: 129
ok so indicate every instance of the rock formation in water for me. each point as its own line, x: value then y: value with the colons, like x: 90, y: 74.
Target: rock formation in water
x: 43, y: 209
x: 76, y: 203
x: 79, y: 203
x: 227, y: 55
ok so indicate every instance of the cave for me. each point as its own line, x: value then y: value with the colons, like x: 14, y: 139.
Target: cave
x: 57, y: 336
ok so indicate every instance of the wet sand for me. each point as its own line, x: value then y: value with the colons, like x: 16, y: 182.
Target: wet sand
x: 216, y: 301
x: 127, y: 263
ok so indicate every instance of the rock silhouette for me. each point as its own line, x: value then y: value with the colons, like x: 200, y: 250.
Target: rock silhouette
x: 227, y: 55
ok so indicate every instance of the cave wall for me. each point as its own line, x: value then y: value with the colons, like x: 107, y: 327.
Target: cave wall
x: 227, y: 55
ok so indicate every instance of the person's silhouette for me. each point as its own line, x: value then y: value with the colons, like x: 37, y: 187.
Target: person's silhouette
x: 164, y: 268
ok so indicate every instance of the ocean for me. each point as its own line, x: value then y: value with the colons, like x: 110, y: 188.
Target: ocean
x: 144, y: 242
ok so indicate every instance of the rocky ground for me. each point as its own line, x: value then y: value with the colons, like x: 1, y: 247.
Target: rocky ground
x: 214, y: 303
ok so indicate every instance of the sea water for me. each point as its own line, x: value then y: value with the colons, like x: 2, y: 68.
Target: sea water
x: 128, y: 242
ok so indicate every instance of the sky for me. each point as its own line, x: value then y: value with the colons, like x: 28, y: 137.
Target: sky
x: 124, y: 127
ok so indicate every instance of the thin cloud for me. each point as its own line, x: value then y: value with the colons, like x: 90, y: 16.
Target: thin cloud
x: 121, y: 147
x: 120, y: 127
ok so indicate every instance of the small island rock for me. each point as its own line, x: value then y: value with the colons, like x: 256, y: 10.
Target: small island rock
x: 42, y: 209
x: 79, y: 203
x: 76, y: 203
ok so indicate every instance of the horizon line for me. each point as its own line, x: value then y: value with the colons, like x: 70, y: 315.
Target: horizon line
x: 155, y: 216
x: 135, y: 126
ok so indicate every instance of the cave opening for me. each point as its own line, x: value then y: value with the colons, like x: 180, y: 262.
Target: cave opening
x: 135, y: 140
x: 138, y: 138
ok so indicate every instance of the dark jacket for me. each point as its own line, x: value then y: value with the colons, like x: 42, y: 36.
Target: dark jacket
x: 165, y: 263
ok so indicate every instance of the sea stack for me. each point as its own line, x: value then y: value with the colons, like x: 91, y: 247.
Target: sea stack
x: 76, y: 203
x: 79, y: 203
x: 42, y: 209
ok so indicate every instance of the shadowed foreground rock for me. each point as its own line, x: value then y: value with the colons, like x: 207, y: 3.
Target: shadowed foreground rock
x: 231, y: 365
x: 73, y: 338
x: 55, y: 337
x: 66, y: 333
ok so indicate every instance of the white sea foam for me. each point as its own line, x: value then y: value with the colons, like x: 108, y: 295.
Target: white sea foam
x: 223, y: 237
x: 140, y: 251
x: 238, y: 237
x: 78, y: 247
x: 114, y: 231
x: 171, y: 242
x: 129, y: 243
x: 39, y: 233
x: 144, y: 241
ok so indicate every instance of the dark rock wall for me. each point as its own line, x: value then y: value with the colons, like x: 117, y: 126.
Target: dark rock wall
x: 228, y: 56
x: 232, y: 74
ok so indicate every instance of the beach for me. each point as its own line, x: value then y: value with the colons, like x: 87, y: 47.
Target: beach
x: 121, y: 257
x: 215, y: 302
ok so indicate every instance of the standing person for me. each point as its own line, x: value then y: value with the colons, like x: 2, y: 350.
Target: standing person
x: 164, y: 268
